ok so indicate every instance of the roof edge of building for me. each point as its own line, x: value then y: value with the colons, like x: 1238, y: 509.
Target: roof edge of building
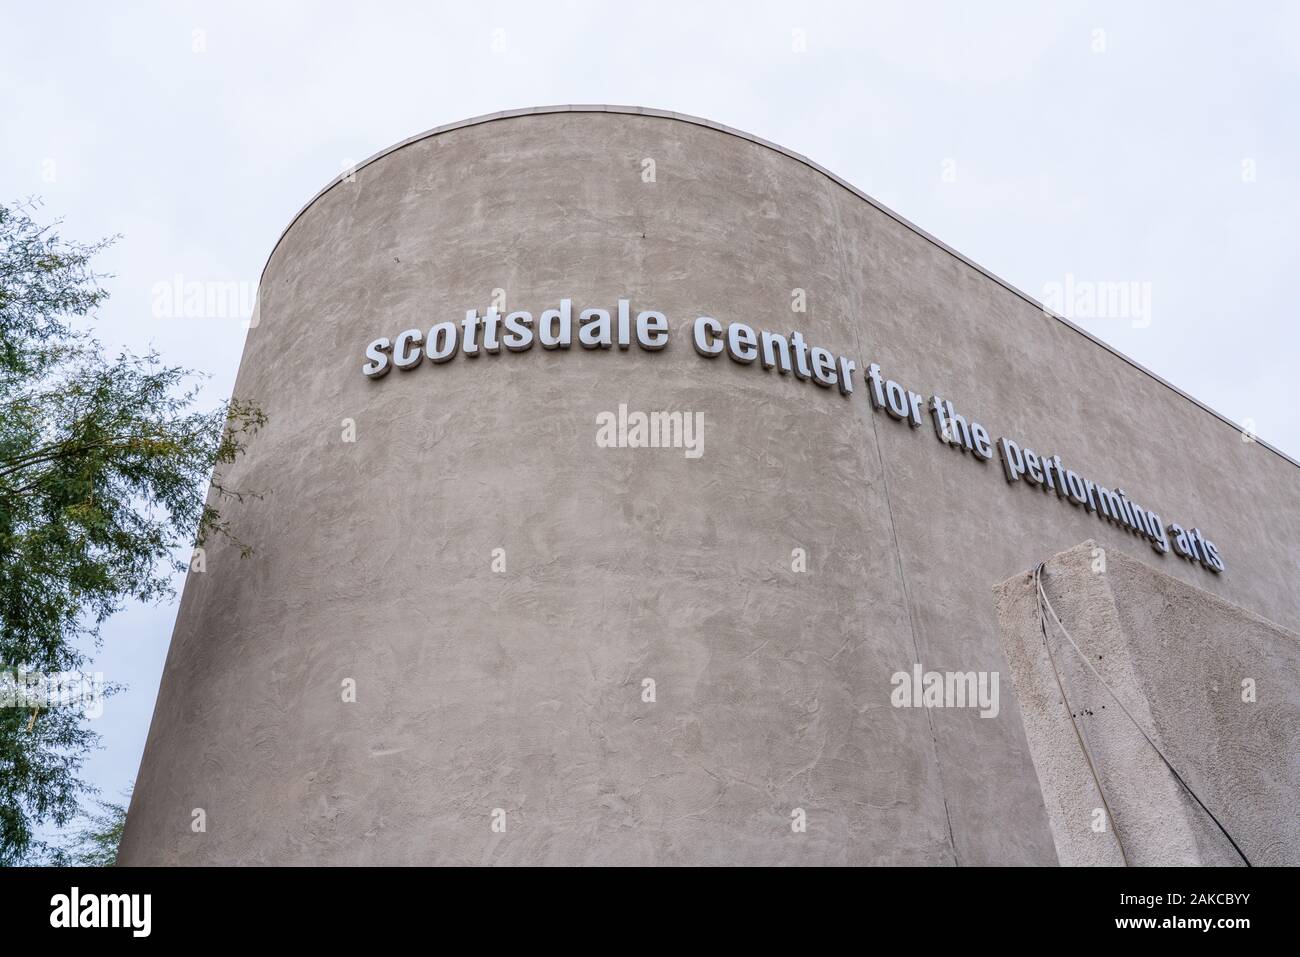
x: 798, y: 157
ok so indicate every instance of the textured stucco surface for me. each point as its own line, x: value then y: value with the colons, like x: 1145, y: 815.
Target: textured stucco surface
x: 1184, y: 663
x: 522, y: 691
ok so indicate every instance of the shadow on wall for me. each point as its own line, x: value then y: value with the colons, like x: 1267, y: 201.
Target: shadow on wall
x: 1115, y: 664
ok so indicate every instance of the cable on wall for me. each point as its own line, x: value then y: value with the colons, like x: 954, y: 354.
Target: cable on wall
x: 1074, y: 722
x: 1044, y: 601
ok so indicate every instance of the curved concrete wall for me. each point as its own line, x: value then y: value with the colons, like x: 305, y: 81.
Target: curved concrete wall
x: 521, y: 690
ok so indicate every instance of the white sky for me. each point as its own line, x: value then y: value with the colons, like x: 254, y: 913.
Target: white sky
x: 1117, y: 165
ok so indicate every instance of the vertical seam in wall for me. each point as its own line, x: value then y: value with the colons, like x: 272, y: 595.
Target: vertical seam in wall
x: 911, y: 623
x: 898, y: 552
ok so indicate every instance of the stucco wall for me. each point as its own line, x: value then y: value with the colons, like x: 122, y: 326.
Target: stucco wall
x: 522, y: 690
x: 1213, y: 685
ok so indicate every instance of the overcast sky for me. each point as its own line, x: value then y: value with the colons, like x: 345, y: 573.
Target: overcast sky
x: 1152, y: 143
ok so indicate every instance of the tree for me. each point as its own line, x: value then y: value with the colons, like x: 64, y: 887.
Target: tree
x: 103, y: 464
x: 95, y: 844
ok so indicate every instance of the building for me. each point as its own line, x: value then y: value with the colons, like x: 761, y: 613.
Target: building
x: 500, y: 611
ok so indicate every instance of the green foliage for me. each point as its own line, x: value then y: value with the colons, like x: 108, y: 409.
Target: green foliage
x: 103, y: 465
x: 94, y: 844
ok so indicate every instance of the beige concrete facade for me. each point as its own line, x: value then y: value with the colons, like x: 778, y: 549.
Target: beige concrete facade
x: 522, y: 690
x: 1168, y: 666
